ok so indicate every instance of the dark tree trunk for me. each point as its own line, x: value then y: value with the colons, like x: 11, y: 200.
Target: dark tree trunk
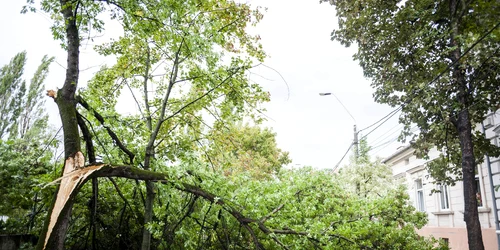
x: 464, y: 128
x: 66, y: 104
x: 471, y: 216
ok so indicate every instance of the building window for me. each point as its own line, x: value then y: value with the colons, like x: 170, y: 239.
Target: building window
x: 446, y: 241
x: 420, y: 195
x: 444, y: 199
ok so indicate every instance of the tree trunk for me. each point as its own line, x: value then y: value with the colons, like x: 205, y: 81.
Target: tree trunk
x: 66, y: 104
x: 464, y: 128
x: 471, y: 216
x: 150, y: 194
x: 148, y: 206
x: 148, y: 215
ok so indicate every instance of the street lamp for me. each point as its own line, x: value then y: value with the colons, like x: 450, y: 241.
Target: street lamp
x: 355, y: 141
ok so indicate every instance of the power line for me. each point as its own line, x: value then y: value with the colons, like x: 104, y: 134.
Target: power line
x: 390, y: 141
x: 331, y: 93
x: 337, y: 165
x: 396, y: 110
x: 394, y: 113
x: 387, y: 134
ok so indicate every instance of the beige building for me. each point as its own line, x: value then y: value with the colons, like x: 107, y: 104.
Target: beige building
x: 445, y: 209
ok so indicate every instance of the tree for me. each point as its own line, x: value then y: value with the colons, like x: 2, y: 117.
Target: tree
x: 25, y: 146
x: 193, y: 37
x: 438, y: 62
x: 367, y: 178
x: 237, y: 149
x: 21, y: 108
x: 204, y: 46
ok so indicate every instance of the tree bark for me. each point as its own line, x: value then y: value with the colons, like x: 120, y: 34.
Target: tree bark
x: 150, y: 194
x: 66, y: 104
x: 464, y: 128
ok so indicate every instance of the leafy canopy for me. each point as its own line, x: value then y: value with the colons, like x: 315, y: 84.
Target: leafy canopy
x: 404, y: 47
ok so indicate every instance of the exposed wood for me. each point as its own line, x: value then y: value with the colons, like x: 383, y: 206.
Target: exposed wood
x: 74, y: 174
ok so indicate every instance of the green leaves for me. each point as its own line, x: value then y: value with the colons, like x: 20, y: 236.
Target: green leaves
x: 22, y: 108
x: 235, y: 149
x: 405, y: 49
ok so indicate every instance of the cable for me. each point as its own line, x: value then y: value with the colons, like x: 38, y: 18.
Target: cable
x: 343, y: 106
x: 282, y: 78
x: 336, y: 166
x: 396, y: 110
x: 389, y: 142
x: 394, y: 113
x: 387, y: 134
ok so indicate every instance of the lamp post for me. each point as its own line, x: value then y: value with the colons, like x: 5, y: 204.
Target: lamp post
x: 355, y: 141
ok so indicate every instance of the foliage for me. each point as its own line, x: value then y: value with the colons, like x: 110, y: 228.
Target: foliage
x: 303, y: 209
x: 438, y: 62
x: 21, y: 108
x: 25, y: 167
x: 25, y: 156
x: 405, y: 49
x: 367, y: 178
x: 201, y: 50
x: 238, y: 149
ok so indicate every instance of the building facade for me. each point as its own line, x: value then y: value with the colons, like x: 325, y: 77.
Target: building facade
x: 445, y: 208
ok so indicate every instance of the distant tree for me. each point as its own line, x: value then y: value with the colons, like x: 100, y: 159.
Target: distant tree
x: 367, y: 178
x: 25, y: 147
x: 235, y: 148
x: 21, y: 108
x: 438, y: 61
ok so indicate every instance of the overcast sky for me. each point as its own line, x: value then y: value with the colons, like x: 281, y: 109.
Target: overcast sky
x: 316, y: 130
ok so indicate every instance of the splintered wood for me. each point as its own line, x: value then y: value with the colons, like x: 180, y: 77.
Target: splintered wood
x: 52, y: 93
x: 74, y: 174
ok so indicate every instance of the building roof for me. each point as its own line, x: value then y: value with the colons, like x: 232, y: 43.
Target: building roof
x: 398, y: 152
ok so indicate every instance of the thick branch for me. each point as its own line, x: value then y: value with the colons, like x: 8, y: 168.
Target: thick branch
x: 87, y: 137
x: 112, y: 134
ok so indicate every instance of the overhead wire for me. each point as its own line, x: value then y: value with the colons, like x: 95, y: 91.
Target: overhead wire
x: 347, y: 151
x: 387, y: 134
x: 390, y: 141
x: 373, y: 124
x: 378, y: 126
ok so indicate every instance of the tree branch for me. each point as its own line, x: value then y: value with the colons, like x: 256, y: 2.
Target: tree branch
x: 200, y: 97
x: 87, y: 137
x: 112, y: 134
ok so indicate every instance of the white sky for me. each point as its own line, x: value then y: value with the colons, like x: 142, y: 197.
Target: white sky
x: 316, y: 130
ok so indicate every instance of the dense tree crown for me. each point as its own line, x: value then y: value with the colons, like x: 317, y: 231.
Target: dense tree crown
x: 25, y: 147
x: 404, y: 47
x: 438, y: 61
